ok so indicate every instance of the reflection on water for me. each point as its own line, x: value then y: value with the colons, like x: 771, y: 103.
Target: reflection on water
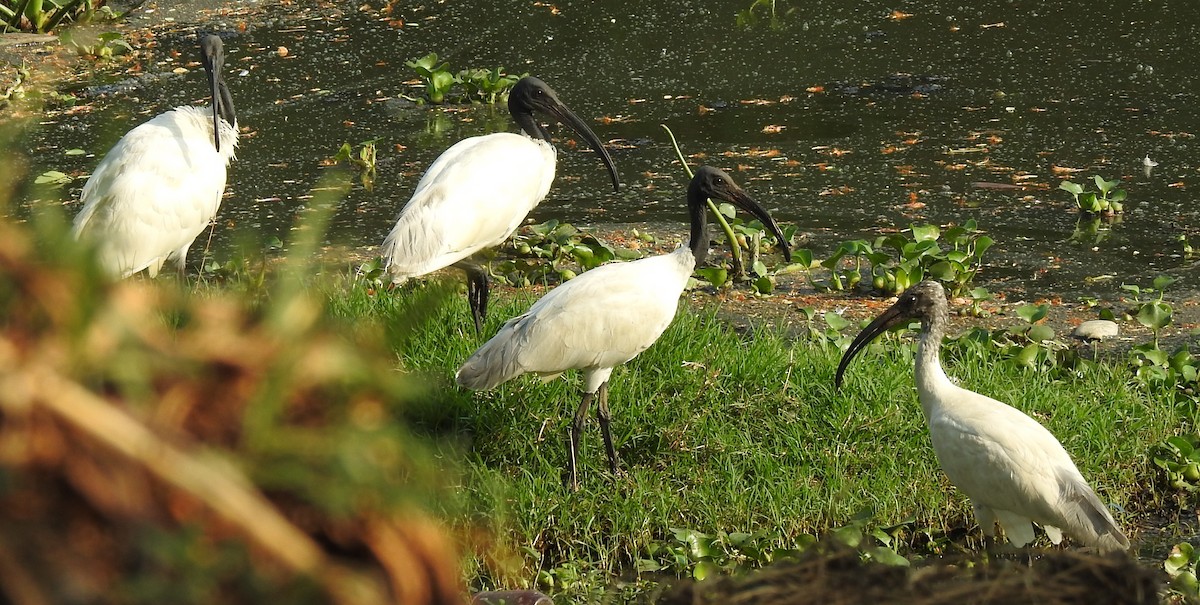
x: 845, y: 118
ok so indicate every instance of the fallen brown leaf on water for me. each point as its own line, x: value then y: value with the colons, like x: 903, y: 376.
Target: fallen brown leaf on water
x: 786, y: 99
x: 1177, y: 185
x: 899, y: 15
x: 815, y: 89
x: 703, y: 110
x: 1064, y: 169
x: 991, y: 25
x: 890, y: 149
x: 839, y: 190
x: 772, y: 129
x: 617, y: 119
x: 905, y: 169
x: 756, y: 102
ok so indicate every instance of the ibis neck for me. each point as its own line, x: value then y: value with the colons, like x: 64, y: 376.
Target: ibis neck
x: 931, y: 378
x: 531, y: 126
x: 698, y: 213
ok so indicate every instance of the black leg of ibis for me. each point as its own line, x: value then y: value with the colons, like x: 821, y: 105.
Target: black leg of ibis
x: 576, y: 435
x: 477, y: 292
x: 604, y: 417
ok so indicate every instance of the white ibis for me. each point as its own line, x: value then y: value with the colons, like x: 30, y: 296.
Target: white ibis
x: 161, y: 184
x: 477, y: 193
x: 606, y: 316
x: 1014, y: 471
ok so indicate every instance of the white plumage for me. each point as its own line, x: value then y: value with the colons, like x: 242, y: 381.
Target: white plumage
x: 604, y: 317
x: 1014, y: 470
x: 435, y: 228
x: 475, y: 195
x: 161, y: 184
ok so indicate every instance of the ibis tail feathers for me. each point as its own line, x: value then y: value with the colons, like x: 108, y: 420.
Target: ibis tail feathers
x: 497, y: 361
x: 1087, y: 518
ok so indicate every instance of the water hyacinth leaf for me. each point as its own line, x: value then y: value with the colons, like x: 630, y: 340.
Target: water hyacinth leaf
x: 759, y: 268
x: 1072, y: 188
x: 803, y: 256
x: 836, y: 321
x: 764, y: 284
x: 1180, y: 557
x: 942, y: 271
x: 1033, y: 313
x: 982, y: 243
x: 1041, y: 333
x: 923, y: 233
x: 727, y: 210
x: 717, y: 276
x: 1162, y: 282
x: 1028, y: 356
x: 1117, y: 196
x: 1155, y: 315
x: 705, y: 569
x: 887, y: 556
x: 53, y: 177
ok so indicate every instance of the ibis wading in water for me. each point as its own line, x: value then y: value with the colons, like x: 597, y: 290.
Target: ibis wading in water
x: 606, y: 316
x: 161, y: 184
x: 475, y: 195
x: 1013, y: 470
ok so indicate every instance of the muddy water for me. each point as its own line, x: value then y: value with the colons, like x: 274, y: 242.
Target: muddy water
x: 845, y: 118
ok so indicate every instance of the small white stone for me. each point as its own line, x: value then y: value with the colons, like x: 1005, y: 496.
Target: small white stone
x: 1096, y: 329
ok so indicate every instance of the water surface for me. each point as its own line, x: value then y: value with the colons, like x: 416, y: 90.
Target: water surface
x: 846, y: 118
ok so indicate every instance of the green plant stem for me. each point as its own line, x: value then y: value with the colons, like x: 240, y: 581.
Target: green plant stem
x: 739, y: 269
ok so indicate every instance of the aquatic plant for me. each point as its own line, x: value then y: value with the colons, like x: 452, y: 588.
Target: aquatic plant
x: 749, y: 17
x: 103, y: 46
x: 364, y: 160
x: 553, y: 248
x: 489, y: 86
x: 437, y: 77
x: 1105, y: 200
x: 1180, y: 566
x: 1179, y: 457
x: 41, y: 16
x: 902, y: 259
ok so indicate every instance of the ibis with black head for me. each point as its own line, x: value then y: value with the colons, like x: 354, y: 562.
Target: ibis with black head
x: 1014, y: 470
x: 606, y: 316
x: 475, y: 195
x: 158, y: 188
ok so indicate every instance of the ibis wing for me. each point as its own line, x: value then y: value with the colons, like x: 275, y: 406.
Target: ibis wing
x: 600, y: 319
x: 472, y: 197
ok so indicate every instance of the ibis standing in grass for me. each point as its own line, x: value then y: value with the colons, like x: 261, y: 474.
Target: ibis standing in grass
x: 606, y: 316
x: 475, y: 195
x: 1014, y: 471
x: 161, y: 184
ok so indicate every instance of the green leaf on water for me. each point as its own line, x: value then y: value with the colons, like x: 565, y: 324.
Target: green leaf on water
x: 1162, y: 282
x: 1072, y: 188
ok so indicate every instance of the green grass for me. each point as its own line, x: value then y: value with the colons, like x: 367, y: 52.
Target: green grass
x: 725, y: 431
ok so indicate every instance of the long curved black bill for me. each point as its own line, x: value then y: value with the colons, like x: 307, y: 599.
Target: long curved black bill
x: 212, y: 56
x: 894, y: 315
x: 568, y: 117
x: 743, y: 201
